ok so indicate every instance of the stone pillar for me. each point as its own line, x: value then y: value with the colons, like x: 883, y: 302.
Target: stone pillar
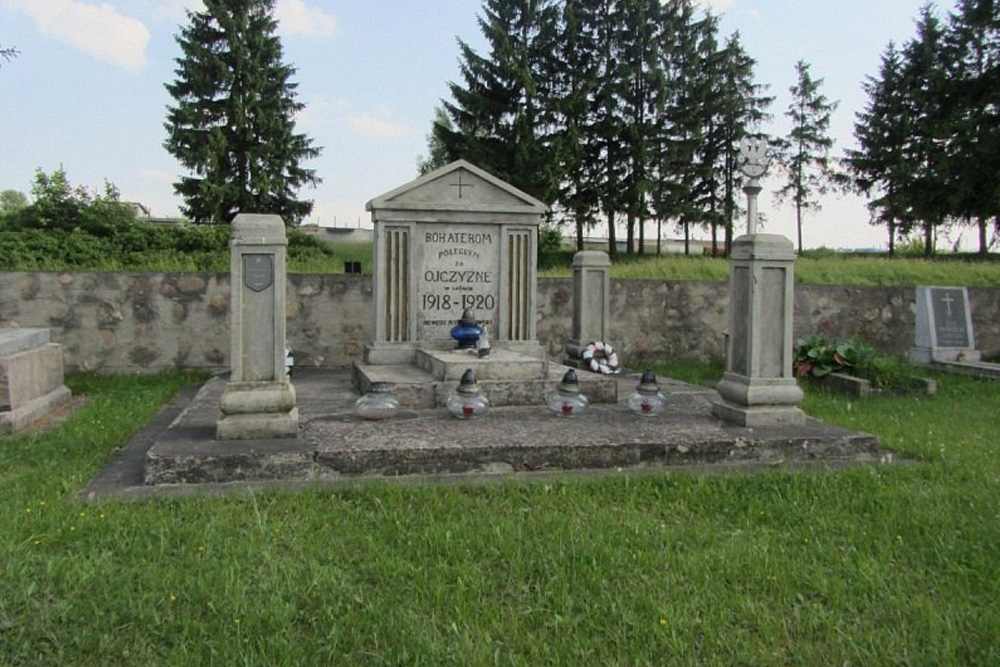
x: 759, y: 388
x: 259, y: 401
x: 591, y: 302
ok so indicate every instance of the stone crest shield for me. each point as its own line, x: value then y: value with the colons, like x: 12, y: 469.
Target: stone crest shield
x: 258, y: 271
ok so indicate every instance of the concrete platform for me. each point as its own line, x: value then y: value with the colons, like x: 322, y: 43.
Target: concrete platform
x: 335, y: 445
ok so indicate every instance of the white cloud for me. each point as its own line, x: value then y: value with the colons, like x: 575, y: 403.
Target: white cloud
x: 296, y: 18
x: 718, y: 5
x: 97, y: 30
x: 373, y: 128
x: 176, y: 10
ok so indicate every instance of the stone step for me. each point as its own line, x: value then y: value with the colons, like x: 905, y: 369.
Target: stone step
x: 500, y: 365
x: 417, y: 389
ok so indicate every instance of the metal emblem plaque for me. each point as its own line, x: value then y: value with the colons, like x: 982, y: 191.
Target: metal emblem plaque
x: 258, y: 271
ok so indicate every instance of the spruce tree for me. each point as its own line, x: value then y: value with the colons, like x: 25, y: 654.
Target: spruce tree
x: 680, y: 117
x: 972, y: 49
x: 500, y: 112
x: 574, y: 78
x: 233, y: 125
x: 878, y: 165
x: 806, y: 150
x: 927, y: 112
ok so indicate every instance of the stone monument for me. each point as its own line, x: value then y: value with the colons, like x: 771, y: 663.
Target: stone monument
x: 453, y: 241
x: 259, y: 401
x: 591, y: 303
x: 943, y: 326
x: 759, y: 388
x: 31, y: 378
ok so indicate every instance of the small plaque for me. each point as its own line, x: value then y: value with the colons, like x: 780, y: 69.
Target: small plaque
x: 950, y: 317
x: 258, y: 271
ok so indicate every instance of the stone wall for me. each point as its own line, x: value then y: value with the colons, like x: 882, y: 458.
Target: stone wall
x: 126, y: 322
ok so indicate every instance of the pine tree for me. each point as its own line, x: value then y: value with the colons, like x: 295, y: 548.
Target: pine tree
x: 500, y: 113
x: 233, y: 125
x: 806, y: 150
x: 881, y: 130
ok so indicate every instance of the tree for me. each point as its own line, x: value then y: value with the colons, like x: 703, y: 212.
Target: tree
x: 58, y: 206
x: 574, y: 77
x: 233, y: 125
x: 927, y: 112
x: 437, y: 152
x: 8, y: 53
x: 972, y: 48
x: 11, y: 201
x: 500, y: 114
x: 882, y: 130
x: 806, y: 151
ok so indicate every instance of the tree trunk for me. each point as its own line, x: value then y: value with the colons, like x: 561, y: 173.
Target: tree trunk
x: 630, y: 235
x: 984, y: 247
x: 642, y: 236
x: 659, y: 237
x: 892, y: 237
x: 928, y: 240
x: 687, y: 240
x: 798, y: 220
x: 612, y: 241
x: 579, y: 230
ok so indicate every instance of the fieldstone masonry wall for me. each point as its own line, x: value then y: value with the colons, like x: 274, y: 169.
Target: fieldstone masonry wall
x: 124, y: 322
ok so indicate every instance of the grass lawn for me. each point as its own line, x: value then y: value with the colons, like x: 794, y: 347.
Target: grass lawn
x: 894, y: 565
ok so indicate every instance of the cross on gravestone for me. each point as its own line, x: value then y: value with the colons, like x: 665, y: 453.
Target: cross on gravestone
x: 948, y: 299
x: 461, y: 184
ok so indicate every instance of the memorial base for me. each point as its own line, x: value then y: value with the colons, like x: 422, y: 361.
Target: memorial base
x: 753, y: 402
x: 929, y: 355
x: 256, y: 410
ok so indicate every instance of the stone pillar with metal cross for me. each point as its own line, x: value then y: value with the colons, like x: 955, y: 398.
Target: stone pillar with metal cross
x: 759, y: 387
x: 259, y: 401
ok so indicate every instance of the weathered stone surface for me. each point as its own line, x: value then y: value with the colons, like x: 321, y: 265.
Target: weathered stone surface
x: 334, y: 444
x: 650, y: 319
x: 31, y: 378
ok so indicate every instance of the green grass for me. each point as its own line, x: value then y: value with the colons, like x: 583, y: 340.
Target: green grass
x: 873, y: 566
x: 839, y: 270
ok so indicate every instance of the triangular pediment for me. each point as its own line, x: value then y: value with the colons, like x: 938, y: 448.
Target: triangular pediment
x: 459, y: 186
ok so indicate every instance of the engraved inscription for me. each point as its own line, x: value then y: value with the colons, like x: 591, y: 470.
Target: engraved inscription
x: 258, y: 271
x: 950, y: 318
x: 460, y: 270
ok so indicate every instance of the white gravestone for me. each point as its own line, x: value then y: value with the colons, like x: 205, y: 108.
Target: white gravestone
x: 943, y: 326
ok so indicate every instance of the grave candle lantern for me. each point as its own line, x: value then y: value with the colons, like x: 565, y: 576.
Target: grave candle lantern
x: 646, y: 400
x: 378, y: 404
x: 467, y: 331
x: 467, y: 401
x: 566, y: 400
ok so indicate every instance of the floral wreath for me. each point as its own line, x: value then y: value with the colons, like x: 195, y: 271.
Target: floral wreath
x: 601, y: 358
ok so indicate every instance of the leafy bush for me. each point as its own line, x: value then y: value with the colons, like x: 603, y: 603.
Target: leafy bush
x: 814, y: 357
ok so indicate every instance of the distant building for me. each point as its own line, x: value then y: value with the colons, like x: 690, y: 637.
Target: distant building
x: 667, y: 246
x: 338, y: 234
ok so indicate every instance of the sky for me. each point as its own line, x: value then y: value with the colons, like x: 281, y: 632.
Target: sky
x: 86, y: 91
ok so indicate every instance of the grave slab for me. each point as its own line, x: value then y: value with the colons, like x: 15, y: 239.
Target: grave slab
x: 31, y: 378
